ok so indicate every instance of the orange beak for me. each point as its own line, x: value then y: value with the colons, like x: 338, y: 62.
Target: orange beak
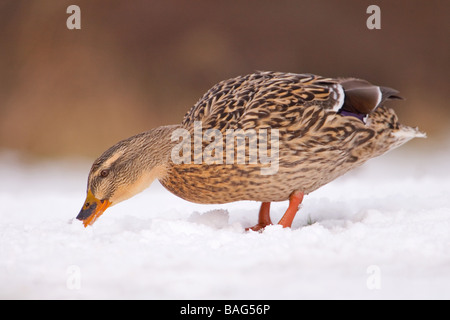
x: 92, y: 209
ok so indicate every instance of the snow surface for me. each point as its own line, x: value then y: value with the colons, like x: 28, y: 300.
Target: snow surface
x: 379, y: 232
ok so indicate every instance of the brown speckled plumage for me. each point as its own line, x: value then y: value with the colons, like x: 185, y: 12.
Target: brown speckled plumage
x: 326, y: 127
x: 317, y: 144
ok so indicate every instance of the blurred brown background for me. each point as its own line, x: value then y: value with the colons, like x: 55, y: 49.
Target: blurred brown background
x: 139, y: 64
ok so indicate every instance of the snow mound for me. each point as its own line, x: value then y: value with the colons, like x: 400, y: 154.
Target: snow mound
x: 217, y: 219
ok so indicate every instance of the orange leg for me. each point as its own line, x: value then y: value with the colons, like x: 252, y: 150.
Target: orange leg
x: 264, y: 217
x: 295, y: 199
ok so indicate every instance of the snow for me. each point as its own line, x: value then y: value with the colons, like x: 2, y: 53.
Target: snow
x: 379, y: 232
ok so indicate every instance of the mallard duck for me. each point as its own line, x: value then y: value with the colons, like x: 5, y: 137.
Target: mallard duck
x: 323, y: 128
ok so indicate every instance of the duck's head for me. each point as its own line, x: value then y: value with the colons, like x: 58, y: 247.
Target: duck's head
x: 121, y: 172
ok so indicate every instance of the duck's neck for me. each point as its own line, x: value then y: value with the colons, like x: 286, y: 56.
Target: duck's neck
x: 157, y: 146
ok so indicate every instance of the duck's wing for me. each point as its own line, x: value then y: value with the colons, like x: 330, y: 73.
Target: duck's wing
x: 262, y: 100
x: 278, y: 100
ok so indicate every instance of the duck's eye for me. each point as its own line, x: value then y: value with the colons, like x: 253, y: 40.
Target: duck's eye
x: 104, y: 173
